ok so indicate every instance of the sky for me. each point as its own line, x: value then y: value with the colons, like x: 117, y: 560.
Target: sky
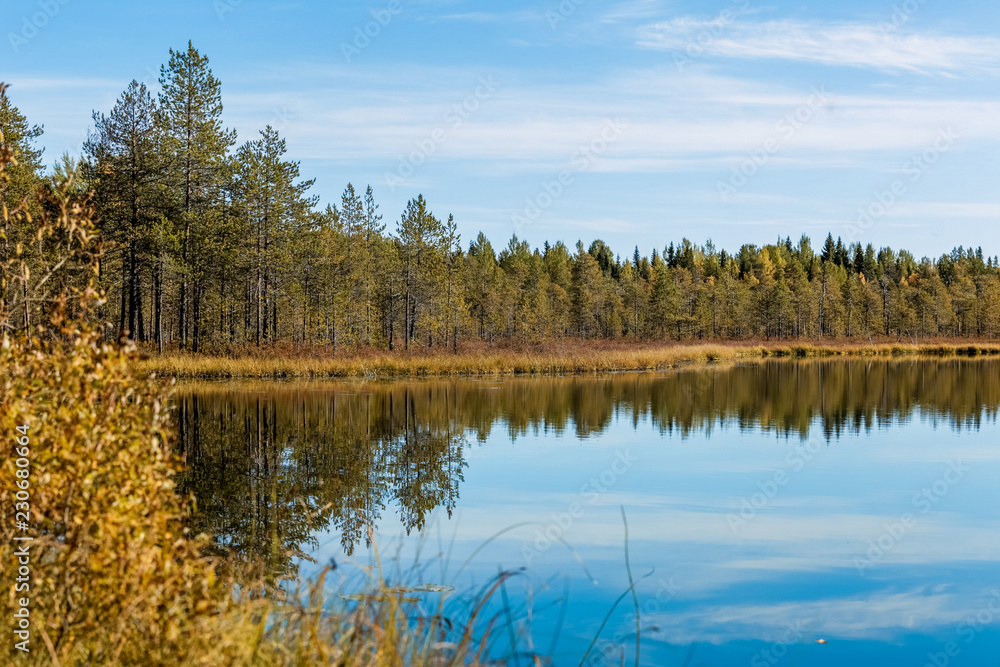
x: 639, y: 122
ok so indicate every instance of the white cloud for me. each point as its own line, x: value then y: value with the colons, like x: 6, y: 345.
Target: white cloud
x: 492, y: 17
x: 635, y: 9
x: 941, y: 210
x: 879, y: 616
x: 675, y: 122
x: 846, y: 44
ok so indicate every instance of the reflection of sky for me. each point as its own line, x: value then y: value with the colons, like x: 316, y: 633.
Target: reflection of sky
x: 789, y: 573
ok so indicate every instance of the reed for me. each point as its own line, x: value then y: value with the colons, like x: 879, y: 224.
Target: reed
x: 543, y: 360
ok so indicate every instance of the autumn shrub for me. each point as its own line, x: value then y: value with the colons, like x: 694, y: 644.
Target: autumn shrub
x: 114, y: 578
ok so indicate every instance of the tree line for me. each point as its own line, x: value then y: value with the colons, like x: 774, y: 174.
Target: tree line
x: 211, y: 246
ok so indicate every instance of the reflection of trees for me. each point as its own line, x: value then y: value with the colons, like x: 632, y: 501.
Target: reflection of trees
x: 271, y: 465
x: 782, y: 396
x: 270, y: 469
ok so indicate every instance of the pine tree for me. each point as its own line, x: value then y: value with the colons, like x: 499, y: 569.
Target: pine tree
x: 374, y: 248
x: 278, y: 209
x: 21, y: 178
x: 483, y: 285
x: 24, y: 176
x: 419, y: 234
x: 586, y: 293
x: 194, y: 144
x: 125, y: 173
x: 452, y: 248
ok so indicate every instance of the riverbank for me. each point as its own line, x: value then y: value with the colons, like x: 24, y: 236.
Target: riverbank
x: 546, y: 359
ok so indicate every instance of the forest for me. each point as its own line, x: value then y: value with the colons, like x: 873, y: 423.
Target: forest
x: 214, y: 247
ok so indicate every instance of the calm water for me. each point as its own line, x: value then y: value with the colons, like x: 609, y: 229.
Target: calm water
x: 769, y: 505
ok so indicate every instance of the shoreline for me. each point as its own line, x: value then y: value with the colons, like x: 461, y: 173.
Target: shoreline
x: 545, y: 360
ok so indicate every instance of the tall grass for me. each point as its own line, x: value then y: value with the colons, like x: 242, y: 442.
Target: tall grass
x: 546, y: 360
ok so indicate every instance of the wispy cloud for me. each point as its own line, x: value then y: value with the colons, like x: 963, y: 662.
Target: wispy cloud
x: 845, y: 44
x: 530, y: 127
x: 635, y: 9
x: 492, y: 17
x: 475, y: 17
x: 883, y: 615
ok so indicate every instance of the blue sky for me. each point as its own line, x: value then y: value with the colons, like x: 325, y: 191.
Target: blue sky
x: 639, y: 122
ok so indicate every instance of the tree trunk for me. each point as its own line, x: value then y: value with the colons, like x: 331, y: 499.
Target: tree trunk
x: 158, y: 305
x: 124, y: 297
x: 196, y: 325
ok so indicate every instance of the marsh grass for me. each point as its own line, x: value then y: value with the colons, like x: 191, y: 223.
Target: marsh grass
x: 388, y: 619
x: 562, y: 359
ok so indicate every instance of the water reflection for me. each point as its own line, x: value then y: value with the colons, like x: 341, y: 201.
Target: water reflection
x: 272, y: 465
x: 270, y: 468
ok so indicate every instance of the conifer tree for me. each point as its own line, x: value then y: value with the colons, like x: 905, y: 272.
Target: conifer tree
x: 194, y: 145
x: 21, y: 177
x: 419, y: 234
x: 125, y: 173
x: 278, y: 209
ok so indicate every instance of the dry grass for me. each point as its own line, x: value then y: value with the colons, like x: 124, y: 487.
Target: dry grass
x: 550, y: 359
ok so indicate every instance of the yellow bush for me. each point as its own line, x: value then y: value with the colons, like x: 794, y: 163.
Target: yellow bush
x: 115, y: 578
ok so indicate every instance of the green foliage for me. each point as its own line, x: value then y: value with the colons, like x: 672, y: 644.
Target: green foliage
x: 19, y: 135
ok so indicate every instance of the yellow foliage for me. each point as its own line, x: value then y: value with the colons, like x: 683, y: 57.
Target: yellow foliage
x: 115, y: 578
